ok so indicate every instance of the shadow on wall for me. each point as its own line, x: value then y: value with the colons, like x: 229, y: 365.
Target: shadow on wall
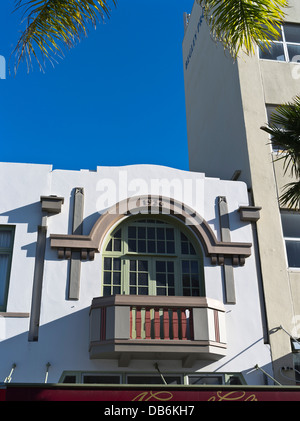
x: 63, y: 342
x: 29, y: 214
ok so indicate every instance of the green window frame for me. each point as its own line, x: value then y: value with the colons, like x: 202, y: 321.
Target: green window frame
x: 152, y: 255
x: 6, y: 250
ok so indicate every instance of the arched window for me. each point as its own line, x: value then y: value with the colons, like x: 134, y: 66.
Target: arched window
x: 152, y: 255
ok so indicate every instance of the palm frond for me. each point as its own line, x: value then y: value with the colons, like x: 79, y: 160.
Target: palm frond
x: 54, y: 24
x: 291, y: 195
x: 284, y: 128
x: 240, y: 24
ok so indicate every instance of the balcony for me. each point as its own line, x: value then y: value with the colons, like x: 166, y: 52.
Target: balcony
x: 126, y: 327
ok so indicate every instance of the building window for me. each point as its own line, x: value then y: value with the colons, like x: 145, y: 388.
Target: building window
x: 216, y: 379
x: 6, y: 248
x: 152, y: 256
x: 296, y: 358
x: 291, y: 233
x: 153, y: 379
x: 286, y: 47
x: 78, y: 377
x: 271, y: 110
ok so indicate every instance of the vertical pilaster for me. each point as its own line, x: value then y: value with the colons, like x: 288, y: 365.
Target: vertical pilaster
x: 75, y: 262
x: 225, y: 237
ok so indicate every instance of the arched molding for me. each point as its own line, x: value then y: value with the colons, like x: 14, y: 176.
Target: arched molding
x: 154, y: 205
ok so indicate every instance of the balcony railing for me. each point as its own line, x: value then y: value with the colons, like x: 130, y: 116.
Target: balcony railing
x: 157, y: 327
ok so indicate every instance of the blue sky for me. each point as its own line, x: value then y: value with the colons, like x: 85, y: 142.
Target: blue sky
x: 117, y: 98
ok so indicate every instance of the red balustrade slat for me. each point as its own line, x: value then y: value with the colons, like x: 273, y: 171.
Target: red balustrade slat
x: 166, y: 323
x: 148, y: 323
x: 183, y: 325
x: 175, y: 325
x: 172, y: 324
x: 138, y: 323
x: 156, y: 324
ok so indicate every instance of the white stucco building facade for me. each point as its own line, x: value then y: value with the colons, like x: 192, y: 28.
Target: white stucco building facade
x: 76, y: 305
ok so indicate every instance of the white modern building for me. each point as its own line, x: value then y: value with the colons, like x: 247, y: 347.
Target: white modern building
x: 128, y: 275
x: 227, y: 101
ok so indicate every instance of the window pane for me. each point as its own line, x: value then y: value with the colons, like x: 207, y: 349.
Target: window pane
x: 117, y: 278
x: 118, y: 234
x: 117, y: 244
x: 116, y: 290
x: 171, y: 280
x: 161, y: 247
x: 160, y: 234
x: 192, y: 250
x: 117, y: 264
x: 293, y: 253
x: 151, y: 246
x: 143, y: 265
x: 132, y: 278
x: 107, y: 278
x: 184, y: 248
x: 151, y: 233
x: 142, y: 291
x: 106, y: 291
x: 205, y: 379
x: 69, y: 379
x: 141, y: 232
x: 292, y: 33
x: 153, y: 380
x: 171, y: 292
x: 277, y: 37
x: 291, y: 224
x: 4, y: 260
x: 160, y: 266
x: 170, y: 266
x: 170, y: 247
x: 275, y: 52
x: 101, y: 379
x: 141, y: 246
x: 5, y: 239
x: 132, y: 245
x: 294, y: 53
x: 170, y: 234
x: 131, y: 232
x: 107, y: 263
x: 161, y: 280
x: 143, y: 278
x: 185, y: 266
x: 194, y: 266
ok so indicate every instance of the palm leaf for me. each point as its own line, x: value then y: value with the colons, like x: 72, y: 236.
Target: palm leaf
x: 54, y: 24
x: 291, y: 195
x: 284, y: 128
x: 240, y: 24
